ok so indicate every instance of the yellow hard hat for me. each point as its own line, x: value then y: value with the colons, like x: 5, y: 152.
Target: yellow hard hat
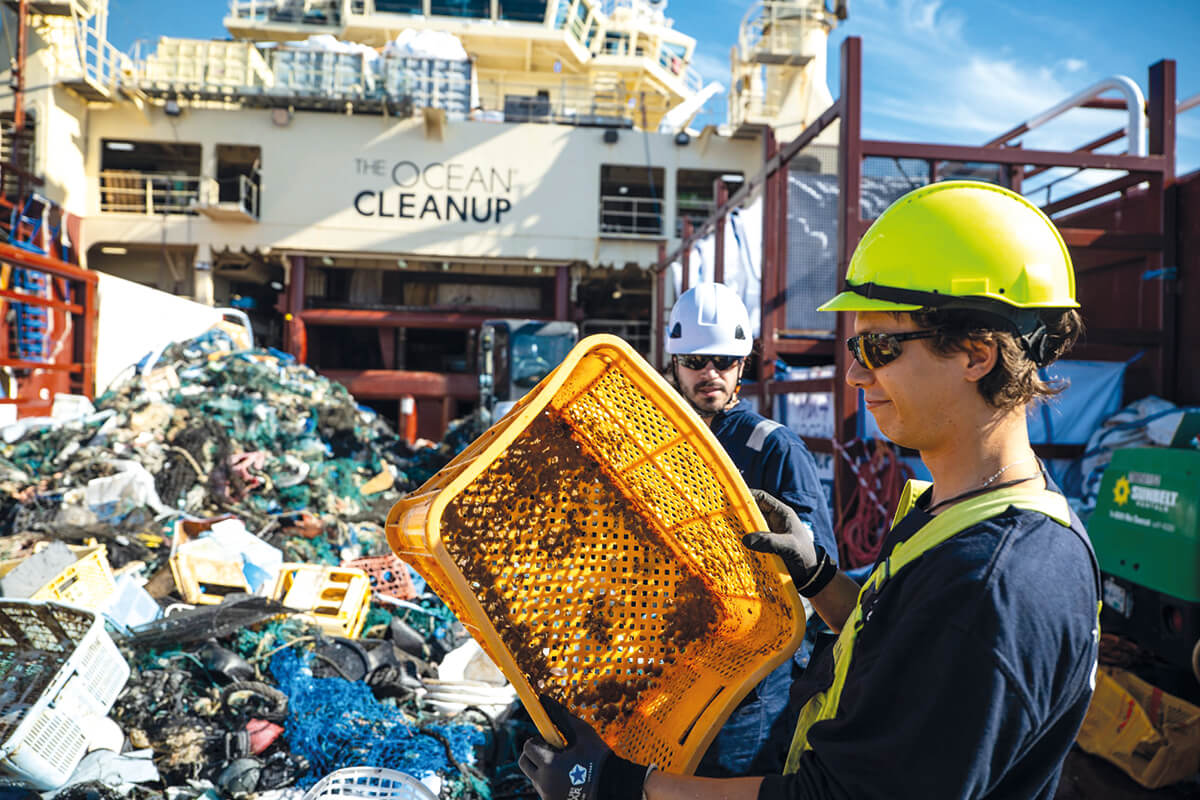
x: 959, y: 244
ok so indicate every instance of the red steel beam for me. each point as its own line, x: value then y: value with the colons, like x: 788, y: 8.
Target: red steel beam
x: 1107, y: 138
x: 1101, y: 239
x: 296, y: 337
x: 87, y: 356
x: 392, y: 383
x: 1086, y: 195
x: 660, y: 298
x: 1112, y: 103
x: 804, y: 386
x: 562, y: 293
x: 1011, y: 155
x: 38, y: 300
x: 17, y: 363
x: 369, y: 318
x: 720, y: 198
x: 44, y: 263
x: 850, y: 227
x: 808, y: 347
x: 685, y: 256
x: 767, y: 296
x: 1161, y: 142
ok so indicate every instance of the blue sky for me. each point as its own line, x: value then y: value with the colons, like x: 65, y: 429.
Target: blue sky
x: 956, y: 71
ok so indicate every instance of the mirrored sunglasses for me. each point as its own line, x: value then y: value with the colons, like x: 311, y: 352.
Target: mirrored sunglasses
x: 875, y: 350
x: 697, y: 362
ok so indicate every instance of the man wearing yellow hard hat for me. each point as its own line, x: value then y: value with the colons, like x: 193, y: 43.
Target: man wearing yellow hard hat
x: 965, y: 664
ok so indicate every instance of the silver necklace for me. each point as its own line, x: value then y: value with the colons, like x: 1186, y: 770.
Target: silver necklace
x: 1002, y: 470
x: 983, y: 487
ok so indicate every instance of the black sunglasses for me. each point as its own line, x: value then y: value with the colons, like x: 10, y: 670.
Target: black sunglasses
x: 875, y: 350
x: 697, y: 362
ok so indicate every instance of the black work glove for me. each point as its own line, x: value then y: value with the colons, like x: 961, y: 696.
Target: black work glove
x: 586, y: 769
x: 791, y: 539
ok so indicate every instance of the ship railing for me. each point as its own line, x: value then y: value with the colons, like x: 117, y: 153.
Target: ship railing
x: 245, y: 196
x: 101, y: 64
x: 137, y: 192
x: 623, y: 215
x: 637, y: 7
x: 566, y: 102
x: 775, y: 27
x: 675, y: 65
x: 752, y: 107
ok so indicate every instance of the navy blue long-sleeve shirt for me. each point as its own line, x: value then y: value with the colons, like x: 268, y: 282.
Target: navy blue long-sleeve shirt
x: 972, y: 675
x: 773, y: 458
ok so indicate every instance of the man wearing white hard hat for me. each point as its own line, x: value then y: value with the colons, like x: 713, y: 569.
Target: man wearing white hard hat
x: 709, y: 338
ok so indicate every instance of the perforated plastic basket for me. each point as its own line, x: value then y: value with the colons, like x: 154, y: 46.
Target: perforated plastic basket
x: 58, y: 669
x: 382, y: 784
x: 337, y: 598
x: 591, y: 543
x: 388, y: 574
x: 88, y: 582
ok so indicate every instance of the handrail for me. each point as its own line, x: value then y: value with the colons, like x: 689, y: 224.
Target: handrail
x: 137, y: 192
x: 1135, y: 103
x: 247, y: 194
x: 623, y: 214
x: 100, y: 62
x: 761, y: 28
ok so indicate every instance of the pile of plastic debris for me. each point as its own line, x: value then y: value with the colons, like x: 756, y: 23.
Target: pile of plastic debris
x: 207, y: 431
x: 205, y: 513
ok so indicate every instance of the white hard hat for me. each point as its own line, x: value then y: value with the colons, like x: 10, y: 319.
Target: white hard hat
x: 709, y: 319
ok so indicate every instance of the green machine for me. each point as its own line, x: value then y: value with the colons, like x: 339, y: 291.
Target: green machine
x: 1146, y: 532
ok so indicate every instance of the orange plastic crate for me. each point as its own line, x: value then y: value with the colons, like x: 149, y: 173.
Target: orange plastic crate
x: 591, y: 543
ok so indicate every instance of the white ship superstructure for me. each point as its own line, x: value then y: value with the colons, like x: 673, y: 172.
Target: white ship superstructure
x: 371, y: 179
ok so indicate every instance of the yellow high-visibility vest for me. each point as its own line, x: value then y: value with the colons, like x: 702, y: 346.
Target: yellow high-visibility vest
x: 942, y: 527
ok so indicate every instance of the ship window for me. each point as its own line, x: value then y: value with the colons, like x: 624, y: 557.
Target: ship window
x: 616, y: 43
x: 149, y: 177
x: 631, y: 200
x: 694, y: 198
x: 238, y: 170
x: 523, y: 10
x: 475, y: 9
x: 7, y: 134
x: 579, y: 22
x: 560, y: 13
x: 399, y: 6
x: 672, y: 56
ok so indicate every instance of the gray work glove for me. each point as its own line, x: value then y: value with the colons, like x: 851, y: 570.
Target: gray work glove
x: 585, y: 769
x: 791, y: 539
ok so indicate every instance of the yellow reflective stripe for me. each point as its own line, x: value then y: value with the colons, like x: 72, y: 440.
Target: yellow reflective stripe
x: 944, y: 526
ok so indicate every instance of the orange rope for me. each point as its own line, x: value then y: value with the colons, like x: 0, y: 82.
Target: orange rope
x: 866, y: 516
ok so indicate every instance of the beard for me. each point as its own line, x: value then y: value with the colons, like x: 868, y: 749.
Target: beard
x: 708, y: 404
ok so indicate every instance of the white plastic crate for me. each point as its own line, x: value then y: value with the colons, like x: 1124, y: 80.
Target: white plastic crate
x: 321, y: 72
x: 430, y: 82
x: 372, y: 782
x: 58, y: 671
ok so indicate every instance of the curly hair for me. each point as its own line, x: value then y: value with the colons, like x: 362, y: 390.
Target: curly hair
x: 1014, y: 380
